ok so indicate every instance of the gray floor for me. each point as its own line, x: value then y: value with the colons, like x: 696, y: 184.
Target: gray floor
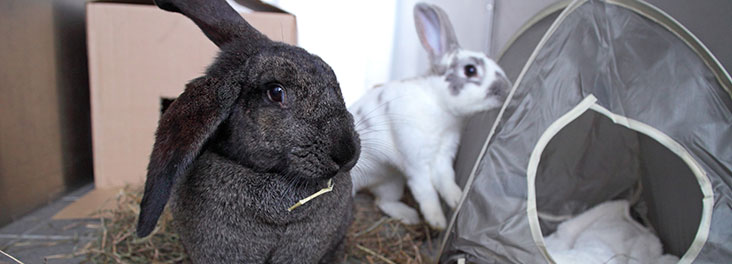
x: 36, y: 238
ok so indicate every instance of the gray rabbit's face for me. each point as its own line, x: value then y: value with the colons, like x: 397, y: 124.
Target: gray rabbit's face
x: 291, y: 118
x: 268, y: 106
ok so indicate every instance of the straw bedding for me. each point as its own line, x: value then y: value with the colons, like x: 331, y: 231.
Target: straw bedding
x: 372, y: 238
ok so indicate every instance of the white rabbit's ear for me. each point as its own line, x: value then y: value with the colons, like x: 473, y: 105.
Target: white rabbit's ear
x: 435, y: 31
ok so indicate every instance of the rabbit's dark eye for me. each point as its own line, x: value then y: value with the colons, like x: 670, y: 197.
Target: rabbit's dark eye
x: 470, y: 70
x: 276, y: 93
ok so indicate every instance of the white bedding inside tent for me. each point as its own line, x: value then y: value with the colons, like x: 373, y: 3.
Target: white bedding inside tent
x: 605, y: 234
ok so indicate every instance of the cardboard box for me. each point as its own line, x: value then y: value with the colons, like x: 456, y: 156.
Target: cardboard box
x: 138, y: 55
x: 45, y: 144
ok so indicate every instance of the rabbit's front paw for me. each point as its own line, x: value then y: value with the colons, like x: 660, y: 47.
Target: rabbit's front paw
x: 435, y: 218
x: 400, y: 211
x: 452, y: 194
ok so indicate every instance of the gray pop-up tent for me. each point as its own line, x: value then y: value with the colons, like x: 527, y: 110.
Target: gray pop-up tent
x: 616, y: 101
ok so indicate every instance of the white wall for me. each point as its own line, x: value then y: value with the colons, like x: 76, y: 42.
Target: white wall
x: 470, y: 18
x: 372, y: 42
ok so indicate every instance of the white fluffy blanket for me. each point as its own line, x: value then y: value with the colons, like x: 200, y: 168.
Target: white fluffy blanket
x: 605, y: 234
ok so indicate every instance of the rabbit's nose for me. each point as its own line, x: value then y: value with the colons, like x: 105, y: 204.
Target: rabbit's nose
x: 345, y: 153
x: 500, y: 86
x: 350, y: 164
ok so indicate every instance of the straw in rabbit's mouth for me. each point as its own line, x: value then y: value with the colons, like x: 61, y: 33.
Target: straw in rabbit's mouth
x: 313, y: 196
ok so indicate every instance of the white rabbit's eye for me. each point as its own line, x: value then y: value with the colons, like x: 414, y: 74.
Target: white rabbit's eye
x: 470, y: 70
x: 276, y: 93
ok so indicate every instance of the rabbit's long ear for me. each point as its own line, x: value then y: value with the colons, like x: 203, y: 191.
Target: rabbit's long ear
x: 183, y: 130
x: 216, y: 18
x: 435, y: 31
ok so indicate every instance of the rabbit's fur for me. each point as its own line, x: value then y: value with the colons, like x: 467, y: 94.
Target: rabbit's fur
x: 235, y: 159
x: 410, y: 129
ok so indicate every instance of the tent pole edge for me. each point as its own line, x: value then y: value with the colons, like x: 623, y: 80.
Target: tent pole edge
x: 547, y: 11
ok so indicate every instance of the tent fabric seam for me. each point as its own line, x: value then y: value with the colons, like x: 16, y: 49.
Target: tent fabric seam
x: 695, y: 44
x: 638, y: 6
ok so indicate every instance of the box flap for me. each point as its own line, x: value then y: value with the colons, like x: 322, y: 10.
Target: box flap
x: 91, y: 204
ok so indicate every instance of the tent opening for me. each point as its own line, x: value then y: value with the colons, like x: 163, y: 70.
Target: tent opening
x: 590, y: 159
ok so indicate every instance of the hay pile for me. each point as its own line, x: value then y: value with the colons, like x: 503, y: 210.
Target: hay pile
x: 118, y: 242
x: 372, y: 238
x: 375, y: 238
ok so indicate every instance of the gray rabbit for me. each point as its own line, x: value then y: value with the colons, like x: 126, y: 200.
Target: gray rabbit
x: 265, y: 127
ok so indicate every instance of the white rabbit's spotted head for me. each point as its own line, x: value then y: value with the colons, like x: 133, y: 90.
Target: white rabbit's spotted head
x: 473, y: 82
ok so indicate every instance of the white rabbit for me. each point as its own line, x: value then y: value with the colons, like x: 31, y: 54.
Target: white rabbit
x: 410, y: 129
